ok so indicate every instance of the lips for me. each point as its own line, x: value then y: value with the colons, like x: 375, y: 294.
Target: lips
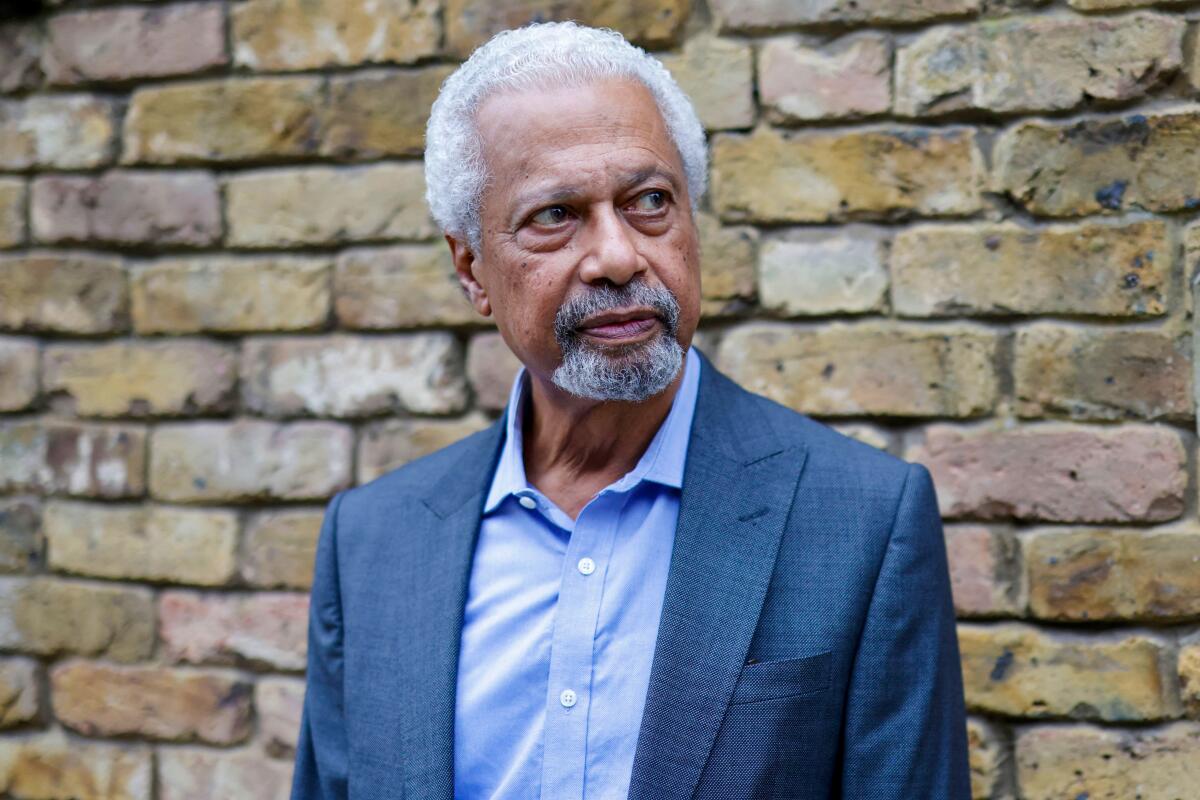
x: 615, y: 325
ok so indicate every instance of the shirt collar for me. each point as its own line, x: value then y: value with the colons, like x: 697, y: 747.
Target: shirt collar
x: 662, y: 463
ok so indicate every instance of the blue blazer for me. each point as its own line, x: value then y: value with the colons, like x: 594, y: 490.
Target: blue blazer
x: 806, y: 648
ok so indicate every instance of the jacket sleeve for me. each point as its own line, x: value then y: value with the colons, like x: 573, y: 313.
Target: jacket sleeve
x: 905, y: 732
x: 321, y: 751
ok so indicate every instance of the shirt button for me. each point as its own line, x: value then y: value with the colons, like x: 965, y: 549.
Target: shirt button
x: 567, y: 698
x: 586, y: 565
x: 527, y: 502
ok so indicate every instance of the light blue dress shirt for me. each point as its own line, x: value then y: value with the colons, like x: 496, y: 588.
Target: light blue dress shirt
x: 561, y: 620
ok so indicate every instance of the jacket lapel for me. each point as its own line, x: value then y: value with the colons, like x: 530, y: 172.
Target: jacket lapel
x: 437, y: 568
x: 738, y: 487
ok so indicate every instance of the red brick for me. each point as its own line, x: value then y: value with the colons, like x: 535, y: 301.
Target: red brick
x: 266, y: 629
x: 985, y: 573
x: 1055, y: 472
x: 849, y: 78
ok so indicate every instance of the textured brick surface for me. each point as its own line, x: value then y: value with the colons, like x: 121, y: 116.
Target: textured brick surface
x: 278, y: 548
x: 18, y: 691
x: 1037, y: 63
x: 54, y: 765
x: 158, y: 543
x: 193, y: 773
x: 124, y: 43
x: 20, y: 55
x: 1060, y: 473
x: 82, y: 459
x: 265, y: 629
x: 350, y: 376
x: 20, y: 534
x: 278, y: 703
x: 1189, y: 675
x: 727, y: 281
x: 64, y: 131
x: 156, y: 378
x: 50, y: 617
x: 13, y: 198
x: 249, y: 460
x: 798, y: 82
x: 844, y: 274
x: 985, y: 571
x: 134, y: 207
x: 1017, y: 670
x: 19, y: 373
x: 399, y: 287
x: 718, y: 76
x: 387, y: 445
x: 1102, y: 373
x: 1099, y: 574
x: 771, y: 176
x: 98, y: 699
x: 1076, y: 761
x: 865, y: 369
x: 63, y: 292
x: 230, y: 295
x: 987, y: 758
x: 758, y: 15
x: 1101, y: 164
x: 322, y: 205
x: 1097, y: 269
x: 379, y: 112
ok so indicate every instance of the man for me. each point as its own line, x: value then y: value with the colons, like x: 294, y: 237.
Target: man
x: 642, y: 581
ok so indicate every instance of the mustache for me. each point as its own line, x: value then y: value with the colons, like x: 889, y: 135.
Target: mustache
x: 606, y: 298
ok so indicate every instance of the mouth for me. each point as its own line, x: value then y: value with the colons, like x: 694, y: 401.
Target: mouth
x: 620, y: 325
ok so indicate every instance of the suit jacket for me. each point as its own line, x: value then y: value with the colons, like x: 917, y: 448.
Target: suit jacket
x: 806, y: 647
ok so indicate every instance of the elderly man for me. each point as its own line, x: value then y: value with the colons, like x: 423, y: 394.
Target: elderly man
x: 642, y: 581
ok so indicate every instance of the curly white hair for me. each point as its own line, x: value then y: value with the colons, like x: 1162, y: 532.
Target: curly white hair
x: 549, y: 53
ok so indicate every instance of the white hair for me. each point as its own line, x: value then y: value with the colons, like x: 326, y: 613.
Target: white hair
x: 556, y: 54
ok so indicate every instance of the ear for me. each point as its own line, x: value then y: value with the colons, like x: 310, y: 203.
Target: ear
x: 464, y: 266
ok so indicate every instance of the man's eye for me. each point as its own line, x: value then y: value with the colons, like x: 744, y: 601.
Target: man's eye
x: 554, y: 215
x: 650, y: 201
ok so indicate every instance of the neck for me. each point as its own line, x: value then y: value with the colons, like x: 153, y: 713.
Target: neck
x: 575, y: 447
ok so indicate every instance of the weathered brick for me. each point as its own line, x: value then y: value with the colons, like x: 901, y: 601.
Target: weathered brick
x: 266, y: 629
x: 1121, y: 574
x: 307, y: 34
x: 60, y: 131
x: 649, y: 23
x: 225, y: 294
x: 12, y: 212
x: 850, y: 78
x: 985, y: 574
x: 71, y: 293
x: 717, y: 75
x: 988, y: 759
x: 278, y: 548
x: 384, y: 446
x: 224, y: 120
x: 759, y: 15
x: 156, y: 543
x: 406, y: 286
x: 141, y: 378
x: 61, y: 457
x: 850, y: 370
x: 346, y: 376
x: 99, y: 699
x: 1045, y: 63
x: 1101, y: 269
x: 1102, y: 373
x: 50, y: 617
x: 18, y: 692
x: 1143, y: 161
x: 1056, y: 472
x: 127, y: 207
x: 1082, y: 761
x: 278, y: 703
x: 194, y: 773
x: 727, y: 279
x: 1017, y: 670
x: 1189, y: 675
x: 51, y: 766
x: 20, y: 55
x: 867, y: 434
x: 379, y: 112
x: 1112, y: 5
x: 491, y: 369
x: 249, y: 460
x: 327, y: 205
x: 18, y: 374
x: 20, y: 534
x: 817, y: 176
x: 123, y: 43
x: 822, y: 274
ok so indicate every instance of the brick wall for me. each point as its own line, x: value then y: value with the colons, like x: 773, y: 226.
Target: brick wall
x: 961, y: 230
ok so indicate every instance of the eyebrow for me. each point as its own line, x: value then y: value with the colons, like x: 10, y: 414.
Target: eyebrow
x: 556, y: 194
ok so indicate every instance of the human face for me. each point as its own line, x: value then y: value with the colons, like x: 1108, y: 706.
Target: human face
x: 586, y: 192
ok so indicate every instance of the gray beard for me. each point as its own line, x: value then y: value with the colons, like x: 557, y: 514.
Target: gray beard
x: 633, y: 374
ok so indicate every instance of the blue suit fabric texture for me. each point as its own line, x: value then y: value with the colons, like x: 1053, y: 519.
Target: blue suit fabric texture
x: 806, y: 648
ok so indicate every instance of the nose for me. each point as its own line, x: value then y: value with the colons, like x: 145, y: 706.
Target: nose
x: 611, y: 249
